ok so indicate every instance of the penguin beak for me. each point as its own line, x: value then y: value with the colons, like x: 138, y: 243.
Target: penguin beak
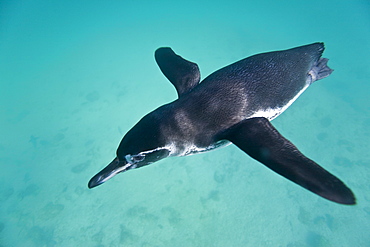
x: 108, y: 172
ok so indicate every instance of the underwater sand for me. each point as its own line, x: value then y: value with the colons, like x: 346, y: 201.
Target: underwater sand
x: 75, y: 76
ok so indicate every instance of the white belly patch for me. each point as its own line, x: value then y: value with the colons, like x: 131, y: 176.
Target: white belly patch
x: 193, y: 149
x: 272, y: 113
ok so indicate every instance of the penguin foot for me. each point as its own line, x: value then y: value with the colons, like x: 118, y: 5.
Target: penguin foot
x: 320, y: 70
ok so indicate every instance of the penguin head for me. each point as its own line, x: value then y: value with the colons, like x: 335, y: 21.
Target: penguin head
x: 141, y: 146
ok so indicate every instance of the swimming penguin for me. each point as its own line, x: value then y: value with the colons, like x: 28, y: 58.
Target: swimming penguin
x: 232, y: 105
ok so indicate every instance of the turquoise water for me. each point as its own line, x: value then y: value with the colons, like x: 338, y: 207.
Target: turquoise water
x: 75, y: 76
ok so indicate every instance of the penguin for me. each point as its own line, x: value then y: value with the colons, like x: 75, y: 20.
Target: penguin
x: 233, y: 105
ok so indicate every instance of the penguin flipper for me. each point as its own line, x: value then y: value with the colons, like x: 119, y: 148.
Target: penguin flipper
x: 183, y: 74
x: 259, y: 139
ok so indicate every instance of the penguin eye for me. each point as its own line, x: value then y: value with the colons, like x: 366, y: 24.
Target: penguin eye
x: 137, y: 158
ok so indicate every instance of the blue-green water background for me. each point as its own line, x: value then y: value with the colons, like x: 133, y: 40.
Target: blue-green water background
x: 77, y: 75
